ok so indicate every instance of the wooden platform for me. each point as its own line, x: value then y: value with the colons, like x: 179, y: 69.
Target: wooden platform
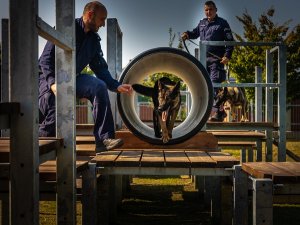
x: 269, y: 181
x: 279, y: 172
x: 47, y: 149
x: 140, y: 162
x: 229, y: 133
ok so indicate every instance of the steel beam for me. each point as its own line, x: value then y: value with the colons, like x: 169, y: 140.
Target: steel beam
x: 282, y: 103
x: 269, y: 104
x: 24, y: 153
x: 164, y: 171
x: 258, y: 95
x: 262, y: 202
x: 240, y: 196
x: 65, y: 110
x: 50, y: 34
x: 114, y: 61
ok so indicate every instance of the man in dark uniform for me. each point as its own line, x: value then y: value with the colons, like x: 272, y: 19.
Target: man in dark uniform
x: 214, y: 28
x: 94, y: 88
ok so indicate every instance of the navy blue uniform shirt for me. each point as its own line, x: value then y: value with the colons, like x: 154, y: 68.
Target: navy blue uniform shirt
x: 88, y: 52
x: 216, y: 30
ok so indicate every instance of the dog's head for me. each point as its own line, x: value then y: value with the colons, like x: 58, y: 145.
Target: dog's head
x: 168, y: 96
x: 166, y: 100
x: 221, y: 96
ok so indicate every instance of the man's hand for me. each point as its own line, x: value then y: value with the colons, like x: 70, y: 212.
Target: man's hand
x: 184, y: 36
x: 224, y: 60
x: 53, y: 89
x: 125, y: 88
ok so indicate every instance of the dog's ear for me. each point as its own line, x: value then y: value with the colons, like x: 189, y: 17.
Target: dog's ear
x: 175, y: 90
x: 160, y: 85
x: 225, y: 90
x: 143, y: 90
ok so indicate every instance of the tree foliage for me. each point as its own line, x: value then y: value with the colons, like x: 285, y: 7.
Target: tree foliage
x: 152, y: 78
x: 245, y: 58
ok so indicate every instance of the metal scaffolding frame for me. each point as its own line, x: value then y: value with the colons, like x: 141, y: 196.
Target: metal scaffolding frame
x: 280, y: 49
x: 114, y: 61
x: 24, y: 26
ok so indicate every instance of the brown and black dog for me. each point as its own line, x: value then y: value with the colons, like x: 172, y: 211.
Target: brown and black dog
x: 236, y: 97
x: 166, y: 101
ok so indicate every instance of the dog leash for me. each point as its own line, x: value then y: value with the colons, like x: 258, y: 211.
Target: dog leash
x: 212, y: 54
x: 185, y: 46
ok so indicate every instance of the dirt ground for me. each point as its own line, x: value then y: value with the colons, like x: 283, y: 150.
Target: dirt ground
x: 162, y: 201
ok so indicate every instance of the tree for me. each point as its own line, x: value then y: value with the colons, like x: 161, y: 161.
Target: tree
x: 171, y: 37
x: 245, y: 58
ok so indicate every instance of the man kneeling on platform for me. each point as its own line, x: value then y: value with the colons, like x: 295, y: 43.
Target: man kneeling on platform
x: 94, y: 88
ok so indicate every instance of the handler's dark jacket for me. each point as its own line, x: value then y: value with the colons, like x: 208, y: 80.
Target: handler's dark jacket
x: 88, y: 52
x: 216, y: 30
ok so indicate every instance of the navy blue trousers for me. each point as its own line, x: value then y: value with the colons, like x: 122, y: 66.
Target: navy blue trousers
x: 217, y: 75
x: 91, y: 88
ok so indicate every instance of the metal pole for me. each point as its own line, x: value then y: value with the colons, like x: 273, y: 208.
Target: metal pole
x: 258, y: 95
x: 269, y: 91
x: 114, y: 61
x: 202, y: 59
x: 24, y: 152
x: 65, y: 110
x: 262, y: 204
x: 5, y: 83
x: 282, y: 103
x: 269, y: 103
x: 4, y: 62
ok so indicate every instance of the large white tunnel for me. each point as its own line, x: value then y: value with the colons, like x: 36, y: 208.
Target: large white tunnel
x: 181, y: 64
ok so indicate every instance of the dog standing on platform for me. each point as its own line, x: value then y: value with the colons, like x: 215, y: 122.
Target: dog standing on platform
x: 166, y: 101
x: 236, y: 97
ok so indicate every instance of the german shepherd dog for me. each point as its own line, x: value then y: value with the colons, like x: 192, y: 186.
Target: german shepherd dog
x: 236, y: 97
x: 166, y: 101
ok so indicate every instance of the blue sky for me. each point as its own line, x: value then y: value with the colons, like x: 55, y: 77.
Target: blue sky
x: 145, y: 23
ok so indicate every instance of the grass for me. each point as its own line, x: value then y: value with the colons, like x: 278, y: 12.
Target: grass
x: 171, y: 200
x: 166, y: 201
x: 48, y: 213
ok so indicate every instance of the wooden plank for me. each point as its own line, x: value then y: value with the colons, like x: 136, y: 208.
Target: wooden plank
x: 201, y: 140
x: 85, y: 140
x: 85, y: 149
x: 106, y: 158
x: 48, y: 170
x: 176, y: 159
x: 200, y: 159
x: 290, y: 167
x: 237, y: 144
x: 153, y: 159
x: 223, y: 159
x: 238, y: 134
x: 45, y: 146
x: 267, y: 170
x: 239, y: 125
x: 129, y: 159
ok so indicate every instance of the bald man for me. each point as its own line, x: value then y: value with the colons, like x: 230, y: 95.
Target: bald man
x: 94, y: 88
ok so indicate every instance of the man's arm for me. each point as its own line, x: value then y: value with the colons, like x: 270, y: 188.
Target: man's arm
x: 99, y: 66
x: 194, y: 34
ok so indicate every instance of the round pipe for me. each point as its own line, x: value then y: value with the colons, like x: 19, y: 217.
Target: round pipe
x: 180, y: 64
